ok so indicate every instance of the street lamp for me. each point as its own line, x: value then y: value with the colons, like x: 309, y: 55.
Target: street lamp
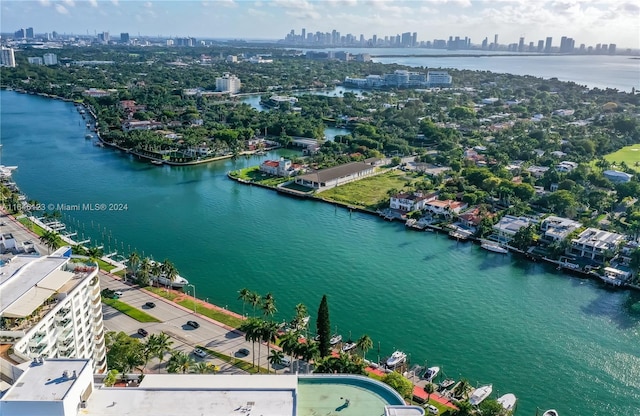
x: 194, y: 297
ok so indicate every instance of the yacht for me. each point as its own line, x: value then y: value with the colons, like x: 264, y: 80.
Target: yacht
x: 493, y: 246
x: 178, y: 281
x: 480, y: 394
x: 550, y: 412
x: 398, y: 357
x: 431, y: 373
x: 508, y: 401
x: 335, y: 339
x: 348, y: 346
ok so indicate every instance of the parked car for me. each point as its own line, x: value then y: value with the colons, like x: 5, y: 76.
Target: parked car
x: 432, y: 409
x: 150, y: 305
x: 199, y: 353
x: 193, y: 324
x: 117, y: 293
x: 242, y: 352
x: 286, y: 361
x: 143, y: 332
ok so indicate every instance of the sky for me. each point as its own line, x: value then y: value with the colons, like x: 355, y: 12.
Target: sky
x: 586, y: 21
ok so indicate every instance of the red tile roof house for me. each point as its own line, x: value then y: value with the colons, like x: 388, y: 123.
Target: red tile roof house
x: 446, y: 207
x: 411, y: 201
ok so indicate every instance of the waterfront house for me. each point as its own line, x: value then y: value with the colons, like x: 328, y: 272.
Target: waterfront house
x: 558, y: 228
x: 282, y: 167
x: 617, y: 176
x: 141, y: 125
x: 411, y: 201
x: 508, y: 226
x: 446, y: 207
x: 566, y: 166
x: 335, y: 176
x: 596, y: 245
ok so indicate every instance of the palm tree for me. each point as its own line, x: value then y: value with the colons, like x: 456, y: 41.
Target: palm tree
x: 268, y: 332
x: 245, y: 296
x: 251, y: 329
x: 254, y: 300
x: 269, y: 306
x: 204, y: 367
x: 144, y: 271
x: 289, y: 343
x: 133, y: 263
x: 429, y: 388
x: 94, y: 253
x: 309, y: 351
x: 302, y: 314
x: 169, y: 270
x: 180, y: 362
x: 364, y: 344
x: 50, y: 239
x: 161, y: 344
x: 275, y: 358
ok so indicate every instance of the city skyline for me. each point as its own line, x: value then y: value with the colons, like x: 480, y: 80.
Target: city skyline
x: 588, y: 22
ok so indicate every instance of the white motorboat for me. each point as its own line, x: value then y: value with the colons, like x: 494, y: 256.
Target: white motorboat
x: 335, y: 339
x: 480, y: 394
x: 507, y: 401
x: 431, y: 373
x: 493, y: 246
x: 398, y: 357
x: 348, y: 346
x: 162, y: 279
x: 550, y: 412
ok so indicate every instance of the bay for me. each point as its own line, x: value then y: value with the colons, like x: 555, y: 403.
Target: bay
x: 554, y: 340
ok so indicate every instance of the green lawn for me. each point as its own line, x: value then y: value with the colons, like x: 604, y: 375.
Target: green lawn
x: 253, y: 174
x: 31, y: 226
x: 630, y: 155
x: 129, y: 310
x: 369, y: 192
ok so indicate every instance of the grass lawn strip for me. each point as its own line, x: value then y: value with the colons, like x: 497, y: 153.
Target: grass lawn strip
x: 241, y: 364
x: 630, y: 155
x: 129, y: 310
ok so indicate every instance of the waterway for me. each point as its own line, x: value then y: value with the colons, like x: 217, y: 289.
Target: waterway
x: 554, y: 340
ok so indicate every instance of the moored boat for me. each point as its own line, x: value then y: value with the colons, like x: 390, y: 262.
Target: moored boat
x: 348, y: 346
x: 551, y: 412
x: 507, y: 401
x: 157, y: 162
x: 431, y: 373
x: 493, y: 246
x: 446, y: 383
x: 480, y: 394
x: 335, y: 339
x: 162, y: 279
x: 398, y: 357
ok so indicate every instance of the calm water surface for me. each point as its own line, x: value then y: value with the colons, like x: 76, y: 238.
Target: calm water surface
x: 551, y: 339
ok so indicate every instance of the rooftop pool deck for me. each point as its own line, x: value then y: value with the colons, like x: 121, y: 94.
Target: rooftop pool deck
x: 345, y: 395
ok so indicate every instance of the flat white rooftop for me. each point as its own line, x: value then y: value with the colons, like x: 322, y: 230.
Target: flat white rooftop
x: 45, y: 382
x: 198, y: 394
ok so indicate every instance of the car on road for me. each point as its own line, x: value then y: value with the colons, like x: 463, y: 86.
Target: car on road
x: 242, y: 352
x: 117, y: 293
x: 150, y: 305
x: 143, y: 332
x: 199, y: 353
x: 193, y: 324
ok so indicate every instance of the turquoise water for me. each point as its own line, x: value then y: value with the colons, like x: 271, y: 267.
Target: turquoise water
x: 553, y: 340
x: 326, y: 395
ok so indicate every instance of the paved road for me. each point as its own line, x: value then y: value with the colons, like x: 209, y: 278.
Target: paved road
x: 173, y: 317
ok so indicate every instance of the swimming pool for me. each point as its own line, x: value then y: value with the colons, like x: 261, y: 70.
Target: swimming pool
x: 344, y: 395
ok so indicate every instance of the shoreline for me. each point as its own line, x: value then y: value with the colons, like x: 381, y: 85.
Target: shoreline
x: 475, y: 240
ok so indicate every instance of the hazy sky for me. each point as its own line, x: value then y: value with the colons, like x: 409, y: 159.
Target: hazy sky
x: 589, y: 22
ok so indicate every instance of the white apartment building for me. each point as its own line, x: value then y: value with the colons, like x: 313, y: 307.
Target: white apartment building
x: 438, y: 79
x: 597, y: 245
x: 228, y: 83
x: 50, y: 306
x: 7, y: 57
x: 50, y: 59
x: 35, y: 60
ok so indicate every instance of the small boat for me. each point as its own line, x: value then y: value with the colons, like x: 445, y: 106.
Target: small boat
x: 480, y: 394
x: 335, y: 339
x: 88, y: 136
x: 446, y: 383
x: 348, y: 346
x: 163, y: 280
x: 495, y: 247
x: 431, y: 373
x: 157, y: 162
x: 550, y: 412
x: 508, y: 401
x: 398, y: 357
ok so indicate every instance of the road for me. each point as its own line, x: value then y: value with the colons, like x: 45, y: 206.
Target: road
x: 172, y: 316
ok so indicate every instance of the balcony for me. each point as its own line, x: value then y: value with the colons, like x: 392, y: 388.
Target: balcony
x: 64, y: 323
x: 65, y: 335
x: 37, y: 338
x: 67, y: 353
x: 62, y: 313
x: 36, y: 351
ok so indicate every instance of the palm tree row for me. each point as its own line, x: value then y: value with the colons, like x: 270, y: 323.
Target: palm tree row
x: 51, y: 240
x: 181, y: 362
x: 144, y: 269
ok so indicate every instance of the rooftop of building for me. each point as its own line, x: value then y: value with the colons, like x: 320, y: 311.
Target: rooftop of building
x: 598, y: 238
x: 47, y: 381
x: 336, y: 172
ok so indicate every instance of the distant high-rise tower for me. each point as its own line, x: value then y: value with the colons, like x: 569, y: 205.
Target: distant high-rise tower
x: 124, y: 38
x: 612, y: 49
x: 50, y: 59
x: 547, y: 45
x: 20, y: 34
x: 7, y: 57
x: 540, y: 45
x: 495, y: 41
x: 521, y: 45
x: 414, y: 39
x: 29, y: 33
x: 304, y: 34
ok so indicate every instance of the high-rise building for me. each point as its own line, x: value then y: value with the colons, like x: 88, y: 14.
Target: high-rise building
x: 228, y: 83
x: 103, y: 37
x: 485, y: 43
x: 547, y: 45
x: 303, y: 37
x: 495, y: 41
x: 612, y: 49
x: 521, y: 45
x: 124, y: 38
x: 50, y: 59
x: 414, y: 39
x: 29, y: 33
x: 540, y: 45
x: 35, y: 60
x: 7, y: 58
x: 51, y: 307
x: 20, y: 34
